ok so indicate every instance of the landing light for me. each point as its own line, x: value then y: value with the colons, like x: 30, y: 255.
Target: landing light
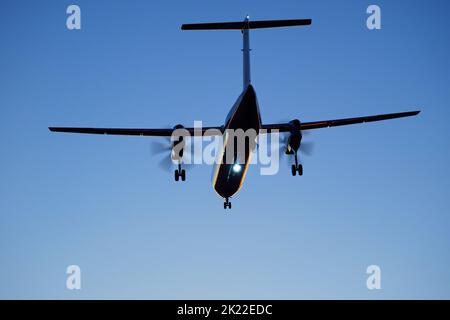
x: 237, y: 168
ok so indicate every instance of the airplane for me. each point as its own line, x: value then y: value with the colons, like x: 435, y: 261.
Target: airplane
x: 229, y: 177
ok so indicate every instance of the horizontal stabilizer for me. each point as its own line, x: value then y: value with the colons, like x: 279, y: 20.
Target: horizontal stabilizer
x: 246, y: 24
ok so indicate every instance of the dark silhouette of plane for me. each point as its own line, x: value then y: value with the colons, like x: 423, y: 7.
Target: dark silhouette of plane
x: 245, y: 115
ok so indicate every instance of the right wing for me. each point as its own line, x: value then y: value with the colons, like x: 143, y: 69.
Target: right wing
x: 286, y: 127
x: 205, y: 131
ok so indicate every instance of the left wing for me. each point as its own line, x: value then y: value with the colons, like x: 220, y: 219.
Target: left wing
x: 286, y: 127
x: 205, y: 131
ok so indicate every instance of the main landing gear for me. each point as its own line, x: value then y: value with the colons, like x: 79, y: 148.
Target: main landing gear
x: 227, y: 204
x: 296, y: 168
x: 180, y: 173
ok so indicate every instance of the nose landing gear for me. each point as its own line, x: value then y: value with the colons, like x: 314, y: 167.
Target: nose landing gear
x: 227, y: 204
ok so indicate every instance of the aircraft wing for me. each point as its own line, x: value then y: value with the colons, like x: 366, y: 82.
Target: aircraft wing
x: 207, y: 131
x: 214, y: 131
x: 285, y: 127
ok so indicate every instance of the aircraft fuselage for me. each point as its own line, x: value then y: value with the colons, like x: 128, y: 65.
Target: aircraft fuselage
x: 228, y: 177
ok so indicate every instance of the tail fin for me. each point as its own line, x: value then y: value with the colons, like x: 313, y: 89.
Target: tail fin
x: 246, y: 24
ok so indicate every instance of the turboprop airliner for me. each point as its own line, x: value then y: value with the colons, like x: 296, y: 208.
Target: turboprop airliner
x: 229, y: 176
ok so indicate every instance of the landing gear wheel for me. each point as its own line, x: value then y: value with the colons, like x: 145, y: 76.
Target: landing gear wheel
x: 177, y: 175
x: 300, y: 170
x: 227, y: 204
x: 294, y: 170
x: 183, y: 175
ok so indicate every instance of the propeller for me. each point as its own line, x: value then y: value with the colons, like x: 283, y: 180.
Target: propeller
x: 306, y: 147
x: 159, y: 147
x: 163, y: 147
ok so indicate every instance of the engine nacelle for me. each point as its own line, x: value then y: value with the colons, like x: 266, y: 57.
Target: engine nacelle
x: 295, y: 137
x: 178, y: 143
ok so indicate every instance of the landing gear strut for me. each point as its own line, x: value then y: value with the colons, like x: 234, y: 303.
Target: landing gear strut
x: 296, y: 168
x: 180, y: 173
x: 227, y: 204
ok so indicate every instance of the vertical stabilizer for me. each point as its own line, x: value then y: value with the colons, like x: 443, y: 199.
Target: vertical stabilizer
x: 245, y: 27
x: 246, y: 54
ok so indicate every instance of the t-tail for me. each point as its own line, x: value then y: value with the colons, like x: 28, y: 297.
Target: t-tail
x: 245, y: 26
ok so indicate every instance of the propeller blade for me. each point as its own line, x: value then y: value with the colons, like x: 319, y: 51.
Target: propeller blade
x: 159, y: 147
x: 282, y: 144
x: 166, y: 163
x: 307, y: 147
x: 164, y: 149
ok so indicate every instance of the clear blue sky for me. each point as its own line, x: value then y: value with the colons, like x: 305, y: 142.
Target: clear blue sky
x: 371, y: 194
